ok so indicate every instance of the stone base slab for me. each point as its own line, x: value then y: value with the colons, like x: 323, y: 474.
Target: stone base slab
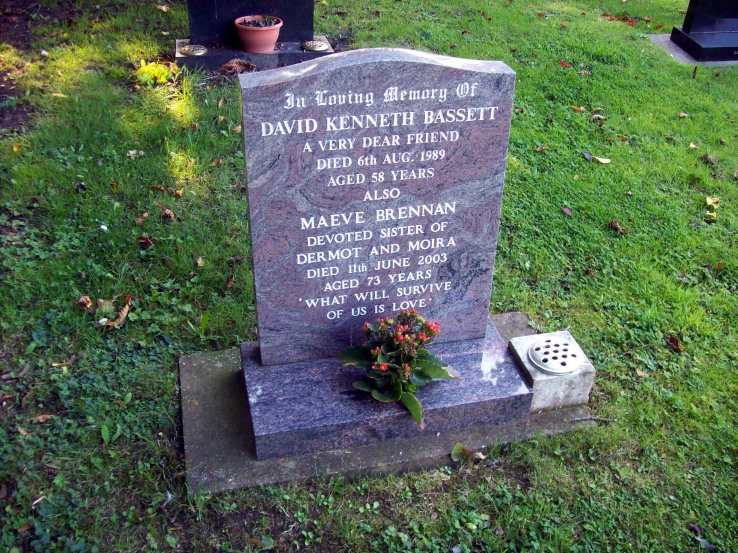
x: 681, y: 56
x: 312, y: 406
x: 219, y: 446
x: 553, y: 391
x: 287, y: 53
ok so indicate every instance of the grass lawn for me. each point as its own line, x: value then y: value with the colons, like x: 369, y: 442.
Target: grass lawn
x: 91, y: 455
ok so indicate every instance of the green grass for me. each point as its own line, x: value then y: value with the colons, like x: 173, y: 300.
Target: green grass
x: 99, y: 474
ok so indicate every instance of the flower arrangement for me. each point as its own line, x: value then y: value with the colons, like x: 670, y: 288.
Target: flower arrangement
x: 396, y: 361
x: 260, y: 21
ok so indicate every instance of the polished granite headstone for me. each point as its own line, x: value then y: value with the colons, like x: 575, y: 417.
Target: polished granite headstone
x: 374, y: 184
x: 311, y: 406
x: 212, y: 26
x: 710, y: 30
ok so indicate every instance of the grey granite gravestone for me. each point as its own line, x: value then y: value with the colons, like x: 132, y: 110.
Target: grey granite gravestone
x: 375, y: 185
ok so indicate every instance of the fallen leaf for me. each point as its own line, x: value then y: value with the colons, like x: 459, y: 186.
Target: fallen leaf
x: 629, y: 193
x: 541, y: 148
x: 657, y: 27
x: 541, y: 14
x: 199, y: 262
x: 721, y: 140
x: 719, y: 266
x: 135, y: 153
x: 598, y: 117
x: 683, y: 115
x: 237, y: 129
x: 462, y: 454
x: 229, y: 282
x: 6, y: 397
x: 640, y: 373
x: 216, y: 162
x: 602, y: 160
x: 711, y: 216
x: 193, y: 127
x: 630, y: 23
x: 165, y: 33
x: 694, y: 73
x: 563, y: 25
x: 693, y: 146
x: 674, y: 343
x: 710, y: 160
x: 122, y: 314
x: 84, y: 302
x: 42, y: 419
x: 168, y: 214
x: 178, y: 193
x: 452, y: 46
x: 17, y: 148
x: 694, y: 528
x: 623, y: 138
x: 144, y: 242
x: 616, y: 226
x: 21, y: 431
x: 585, y: 72
x: 114, y: 185
x: 465, y: 32
x: 579, y: 109
x: 597, y: 110
x: 563, y: 64
x: 648, y: 20
x: 164, y: 9
x: 589, y: 272
x: 141, y: 218
x: 713, y: 201
x: 669, y: 138
x: 520, y: 110
x: 191, y: 163
x: 236, y: 67
x: 567, y: 211
x: 221, y: 102
x: 24, y: 528
x: 220, y: 119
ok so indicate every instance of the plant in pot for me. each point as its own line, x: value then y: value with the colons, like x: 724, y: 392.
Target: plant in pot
x: 258, y: 33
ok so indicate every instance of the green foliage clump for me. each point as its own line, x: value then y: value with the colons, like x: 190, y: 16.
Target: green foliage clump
x: 155, y: 73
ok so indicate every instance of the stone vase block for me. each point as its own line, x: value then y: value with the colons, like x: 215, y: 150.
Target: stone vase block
x: 552, y: 391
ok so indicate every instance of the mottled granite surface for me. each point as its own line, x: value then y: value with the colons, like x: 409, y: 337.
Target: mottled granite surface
x: 311, y: 406
x: 286, y: 184
x: 219, y: 447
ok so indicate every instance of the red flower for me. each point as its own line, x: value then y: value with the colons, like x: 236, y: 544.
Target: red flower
x: 383, y: 367
x: 366, y: 326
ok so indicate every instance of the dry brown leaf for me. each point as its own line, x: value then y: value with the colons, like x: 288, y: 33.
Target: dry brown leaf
x: 191, y: 163
x: 710, y: 160
x: 589, y: 272
x: 229, y: 282
x: 84, y: 302
x: 683, y: 115
x: 164, y: 9
x: 580, y: 109
x: 674, y: 343
x: 598, y: 117
x: 721, y: 140
x: 713, y: 201
x: 623, y: 138
x: 194, y: 127
x: 199, y: 262
x: 236, y: 67
x: 144, y: 242
x: 597, y: 110
x: 168, y: 214
x: 221, y: 102
x: 178, y: 193
x: 541, y: 148
x: 585, y: 72
x: 6, y: 397
x: 42, y: 419
x: 21, y: 431
x: 452, y: 46
x: 141, y: 218
x: 640, y: 373
x: 602, y: 160
x: 719, y: 266
x: 114, y: 185
x: 520, y: 110
x: 466, y: 32
x: 220, y: 119
x: 122, y: 314
x: 237, y: 129
x: 216, y: 162
x: 616, y: 226
x: 711, y: 216
x: 17, y: 148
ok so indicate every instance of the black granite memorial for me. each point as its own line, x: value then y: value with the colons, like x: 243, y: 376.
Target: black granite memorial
x: 710, y: 30
x: 212, y: 26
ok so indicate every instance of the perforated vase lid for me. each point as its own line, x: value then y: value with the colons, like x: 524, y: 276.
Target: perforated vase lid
x: 556, y: 355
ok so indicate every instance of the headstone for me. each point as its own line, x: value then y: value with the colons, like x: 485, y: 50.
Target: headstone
x: 710, y: 30
x: 375, y: 184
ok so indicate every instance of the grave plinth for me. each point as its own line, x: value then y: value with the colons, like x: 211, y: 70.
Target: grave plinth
x: 212, y: 26
x: 710, y: 30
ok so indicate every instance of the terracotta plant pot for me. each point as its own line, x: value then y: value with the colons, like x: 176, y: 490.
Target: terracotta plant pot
x: 258, y: 40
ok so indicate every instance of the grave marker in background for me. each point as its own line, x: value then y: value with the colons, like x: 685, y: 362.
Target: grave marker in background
x: 710, y: 30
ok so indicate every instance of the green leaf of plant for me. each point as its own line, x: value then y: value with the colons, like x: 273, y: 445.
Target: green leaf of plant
x: 428, y: 356
x: 394, y: 394
x: 363, y: 385
x: 127, y: 399
x: 419, y: 378
x: 267, y: 543
x: 434, y: 371
x: 382, y: 358
x: 416, y: 410
x: 358, y: 356
x: 105, y: 431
